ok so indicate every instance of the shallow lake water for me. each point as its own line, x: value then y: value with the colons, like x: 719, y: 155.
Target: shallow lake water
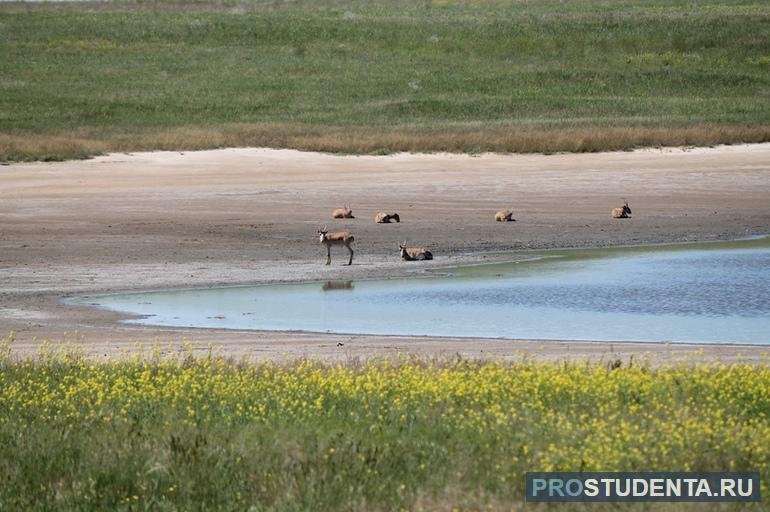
x: 717, y: 293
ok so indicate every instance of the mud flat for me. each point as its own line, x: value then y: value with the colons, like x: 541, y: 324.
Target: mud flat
x: 168, y: 220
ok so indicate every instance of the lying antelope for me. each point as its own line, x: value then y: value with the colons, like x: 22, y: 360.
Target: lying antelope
x: 622, y: 212
x: 504, y: 216
x: 343, y: 213
x: 414, y: 253
x: 337, y: 238
x: 385, y: 218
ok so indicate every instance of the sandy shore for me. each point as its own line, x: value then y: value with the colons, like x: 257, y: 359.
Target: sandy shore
x: 238, y: 216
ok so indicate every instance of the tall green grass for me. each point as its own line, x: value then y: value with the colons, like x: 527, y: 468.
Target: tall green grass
x: 184, y: 433
x: 381, y: 76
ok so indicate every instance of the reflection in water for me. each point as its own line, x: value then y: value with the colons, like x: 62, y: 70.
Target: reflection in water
x: 333, y: 286
x: 719, y: 294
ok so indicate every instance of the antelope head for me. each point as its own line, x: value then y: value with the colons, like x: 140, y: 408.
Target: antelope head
x: 625, y: 207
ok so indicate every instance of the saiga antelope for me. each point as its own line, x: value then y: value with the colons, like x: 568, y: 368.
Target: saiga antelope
x: 343, y: 213
x: 414, y: 253
x: 622, y: 212
x: 336, y: 238
x: 385, y: 218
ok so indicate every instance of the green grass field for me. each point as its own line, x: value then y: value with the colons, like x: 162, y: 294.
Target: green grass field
x: 382, y: 76
x: 184, y: 433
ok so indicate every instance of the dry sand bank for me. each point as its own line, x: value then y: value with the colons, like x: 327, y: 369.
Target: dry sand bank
x: 238, y: 216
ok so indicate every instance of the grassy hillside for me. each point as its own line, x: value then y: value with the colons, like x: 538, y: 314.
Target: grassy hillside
x: 382, y: 76
x: 213, y: 434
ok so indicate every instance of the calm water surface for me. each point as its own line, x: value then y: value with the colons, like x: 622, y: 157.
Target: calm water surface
x: 706, y: 293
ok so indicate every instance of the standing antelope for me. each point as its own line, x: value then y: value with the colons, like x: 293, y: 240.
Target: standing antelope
x: 337, y: 238
x: 504, y: 216
x: 343, y: 213
x: 414, y: 253
x: 622, y: 212
x: 385, y: 218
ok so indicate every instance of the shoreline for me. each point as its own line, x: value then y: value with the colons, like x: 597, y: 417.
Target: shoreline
x: 135, y: 319
x: 463, y: 261
x: 168, y: 221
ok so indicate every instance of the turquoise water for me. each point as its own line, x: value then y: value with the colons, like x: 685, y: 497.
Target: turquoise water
x: 718, y: 293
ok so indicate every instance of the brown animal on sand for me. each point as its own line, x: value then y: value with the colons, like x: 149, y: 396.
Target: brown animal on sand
x: 414, y: 253
x: 504, y: 216
x: 336, y: 238
x: 343, y: 213
x: 622, y: 212
x: 385, y: 218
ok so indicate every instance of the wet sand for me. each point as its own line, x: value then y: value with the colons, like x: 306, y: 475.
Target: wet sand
x: 245, y: 216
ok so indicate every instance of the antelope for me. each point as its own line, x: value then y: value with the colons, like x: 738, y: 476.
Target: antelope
x: 343, y: 213
x: 336, y: 238
x: 622, y: 212
x: 414, y: 253
x: 504, y: 216
x: 385, y: 218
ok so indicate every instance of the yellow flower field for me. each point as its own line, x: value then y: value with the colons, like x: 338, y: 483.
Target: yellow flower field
x: 180, y: 433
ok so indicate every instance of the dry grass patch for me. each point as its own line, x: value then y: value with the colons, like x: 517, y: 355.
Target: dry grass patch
x: 357, y: 140
x: 48, y: 147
